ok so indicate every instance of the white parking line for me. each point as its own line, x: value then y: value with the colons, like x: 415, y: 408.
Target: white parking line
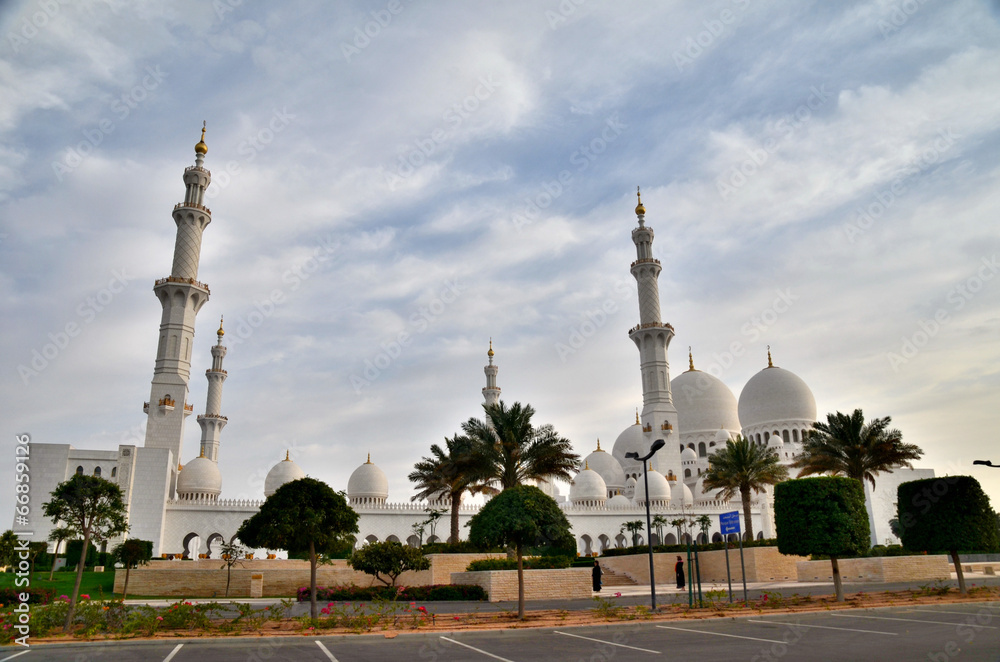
x: 908, y: 620
x: 720, y: 634
x: 478, y: 650
x: 825, y: 627
x: 609, y: 643
x: 326, y: 651
x: 960, y: 613
x: 14, y: 655
x: 172, y: 653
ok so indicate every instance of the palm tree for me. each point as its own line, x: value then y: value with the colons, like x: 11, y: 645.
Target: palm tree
x: 451, y: 470
x: 511, y: 450
x: 58, y: 535
x: 847, y: 446
x: 741, y: 467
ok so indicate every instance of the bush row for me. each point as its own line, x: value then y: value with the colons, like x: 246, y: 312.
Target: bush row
x: 680, y: 549
x: 529, y: 563
x: 36, y: 596
x: 435, y: 593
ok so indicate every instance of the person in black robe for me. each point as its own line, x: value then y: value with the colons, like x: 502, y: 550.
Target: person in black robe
x: 597, y: 576
x: 679, y: 571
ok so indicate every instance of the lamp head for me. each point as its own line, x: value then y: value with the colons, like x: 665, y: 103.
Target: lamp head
x: 657, y: 445
x: 986, y: 462
x: 632, y: 456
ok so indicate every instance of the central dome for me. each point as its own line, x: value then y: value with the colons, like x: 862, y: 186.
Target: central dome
x: 775, y: 394
x: 703, y: 403
x: 200, y: 479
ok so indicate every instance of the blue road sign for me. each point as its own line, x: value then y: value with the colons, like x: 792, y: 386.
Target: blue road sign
x: 730, y: 522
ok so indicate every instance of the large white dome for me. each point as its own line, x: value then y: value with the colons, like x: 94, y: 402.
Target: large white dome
x: 703, y: 403
x: 631, y: 440
x: 659, y: 489
x: 680, y: 494
x: 775, y: 394
x: 199, y: 479
x: 368, y: 482
x: 588, y: 486
x: 619, y: 501
x: 283, y: 472
x: 608, y: 467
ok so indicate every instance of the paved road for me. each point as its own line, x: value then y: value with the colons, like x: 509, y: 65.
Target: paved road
x: 968, y: 631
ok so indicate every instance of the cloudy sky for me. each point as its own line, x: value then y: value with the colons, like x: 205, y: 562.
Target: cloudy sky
x: 822, y: 178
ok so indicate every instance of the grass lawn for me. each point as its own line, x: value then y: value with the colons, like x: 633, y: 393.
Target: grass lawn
x: 94, y: 584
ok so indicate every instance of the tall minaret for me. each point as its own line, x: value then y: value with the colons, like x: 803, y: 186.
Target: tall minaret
x: 181, y: 296
x: 652, y: 336
x: 212, y: 421
x: 491, y: 394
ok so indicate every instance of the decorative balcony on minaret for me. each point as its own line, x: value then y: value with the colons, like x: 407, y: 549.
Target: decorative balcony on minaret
x: 491, y: 394
x: 181, y: 297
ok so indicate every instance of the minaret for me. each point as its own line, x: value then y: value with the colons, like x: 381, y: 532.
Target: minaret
x: 212, y: 421
x: 651, y: 337
x: 181, y: 296
x: 492, y: 392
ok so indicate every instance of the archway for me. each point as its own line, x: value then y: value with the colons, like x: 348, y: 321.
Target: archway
x: 586, y: 545
x: 670, y: 539
x: 413, y: 541
x: 215, y: 539
x: 604, y: 542
x: 702, y: 539
x: 433, y: 539
x: 392, y: 539
x: 716, y: 537
x: 620, y: 540
x: 371, y: 538
x: 192, y: 545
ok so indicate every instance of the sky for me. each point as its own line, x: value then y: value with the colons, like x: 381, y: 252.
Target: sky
x: 397, y: 182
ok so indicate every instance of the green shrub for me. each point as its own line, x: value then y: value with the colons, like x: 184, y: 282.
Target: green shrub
x: 36, y: 596
x: 461, y: 547
x: 529, y: 563
x: 73, y: 549
x: 437, y: 592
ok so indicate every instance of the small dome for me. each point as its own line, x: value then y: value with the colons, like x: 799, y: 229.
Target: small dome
x: 588, y: 486
x: 618, y: 501
x: 721, y: 437
x: 703, y: 403
x: 775, y: 394
x: 368, y: 482
x: 283, y: 472
x: 631, y: 440
x: 681, y: 494
x: 608, y: 467
x: 629, y: 490
x: 200, y: 478
x: 689, y: 455
x: 659, y: 489
x: 699, y: 491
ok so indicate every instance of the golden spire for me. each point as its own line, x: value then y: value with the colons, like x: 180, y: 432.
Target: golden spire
x: 287, y: 459
x: 201, y: 147
x: 490, y: 353
x: 639, y: 209
x: 769, y: 364
x: 202, y: 452
x: 220, y: 332
x: 637, y: 416
x: 585, y: 466
x: 598, y: 443
x: 690, y: 359
x: 369, y: 460
x: 650, y: 466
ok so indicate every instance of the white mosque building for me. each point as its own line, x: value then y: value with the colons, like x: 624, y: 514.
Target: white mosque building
x: 178, y: 505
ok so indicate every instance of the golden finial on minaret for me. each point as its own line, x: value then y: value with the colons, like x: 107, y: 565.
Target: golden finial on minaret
x: 585, y: 466
x: 490, y: 353
x: 202, y: 452
x: 690, y: 360
x: 639, y: 209
x: 369, y: 460
x: 220, y: 332
x: 598, y: 443
x: 769, y: 364
x: 287, y: 459
x: 650, y: 466
x: 637, y: 416
x: 201, y: 147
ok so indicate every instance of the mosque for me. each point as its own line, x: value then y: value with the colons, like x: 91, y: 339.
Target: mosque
x: 178, y: 504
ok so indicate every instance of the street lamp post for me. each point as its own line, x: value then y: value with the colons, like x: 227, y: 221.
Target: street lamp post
x: 657, y: 445
x: 987, y: 463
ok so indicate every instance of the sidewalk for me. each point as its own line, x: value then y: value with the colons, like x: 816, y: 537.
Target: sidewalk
x: 672, y: 590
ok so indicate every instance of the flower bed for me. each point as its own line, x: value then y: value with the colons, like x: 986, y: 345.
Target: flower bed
x: 437, y: 592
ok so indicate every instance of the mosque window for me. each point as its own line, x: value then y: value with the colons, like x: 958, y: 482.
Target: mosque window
x: 702, y: 450
x: 682, y: 448
x: 687, y: 473
x: 767, y: 436
x: 114, y: 471
x: 795, y: 436
x: 758, y: 438
x: 97, y: 471
x: 79, y: 471
x: 784, y: 436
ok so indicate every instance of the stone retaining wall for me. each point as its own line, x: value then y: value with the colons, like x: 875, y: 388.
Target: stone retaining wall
x: 501, y: 585
x: 279, y: 578
x: 763, y: 564
x: 879, y: 569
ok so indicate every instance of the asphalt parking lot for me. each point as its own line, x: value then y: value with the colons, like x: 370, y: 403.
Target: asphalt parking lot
x: 966, y: 631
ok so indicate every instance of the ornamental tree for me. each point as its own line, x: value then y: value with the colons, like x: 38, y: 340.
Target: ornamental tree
x: 949, y: 515
x: 304, y: 514
x: 824, y: 516
x: 232, y: 554
x: 521, y: 516
x: 94, y: 508
x: 388, y: 558
x: 131, y: 554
